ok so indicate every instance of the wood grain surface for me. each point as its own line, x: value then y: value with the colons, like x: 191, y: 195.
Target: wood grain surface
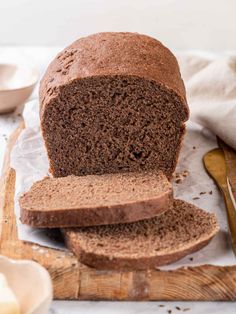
x: 72, y: 280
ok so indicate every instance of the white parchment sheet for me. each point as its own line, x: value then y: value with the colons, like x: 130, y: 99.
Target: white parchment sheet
x: 29, y: 159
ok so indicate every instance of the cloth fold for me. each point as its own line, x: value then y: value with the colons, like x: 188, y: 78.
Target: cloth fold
x: 211, y: 93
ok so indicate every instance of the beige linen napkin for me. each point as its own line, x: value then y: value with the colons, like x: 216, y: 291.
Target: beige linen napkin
x: 211, y: 93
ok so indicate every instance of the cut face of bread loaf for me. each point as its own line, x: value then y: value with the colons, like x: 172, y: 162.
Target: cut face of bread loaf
x: 113, y: 102
x: 95, y: 199
x: 150, y: 243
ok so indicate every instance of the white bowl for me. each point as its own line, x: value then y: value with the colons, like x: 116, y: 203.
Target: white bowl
x: 30, y: 282
x: 16, y: 85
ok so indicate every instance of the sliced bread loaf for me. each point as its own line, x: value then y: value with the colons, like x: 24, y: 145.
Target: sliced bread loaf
x: 95, y: 199
x: 113, y: 102
x: 181, y: 230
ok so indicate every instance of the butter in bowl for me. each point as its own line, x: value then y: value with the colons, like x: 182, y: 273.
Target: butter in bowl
x: 17, y: 83
x: 25, y: 287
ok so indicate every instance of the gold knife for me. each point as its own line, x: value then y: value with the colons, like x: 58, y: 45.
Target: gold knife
x: 215, y: 165
x: 230, y: 159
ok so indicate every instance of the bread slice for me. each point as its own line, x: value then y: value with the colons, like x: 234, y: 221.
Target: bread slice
x: 95, y: 199
x: 181, y: 230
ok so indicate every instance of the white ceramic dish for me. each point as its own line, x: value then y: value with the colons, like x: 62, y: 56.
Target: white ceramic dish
x: 16, y: 85
x: 30, y: 282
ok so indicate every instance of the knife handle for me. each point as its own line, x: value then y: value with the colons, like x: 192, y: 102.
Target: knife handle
x: 231, y: 216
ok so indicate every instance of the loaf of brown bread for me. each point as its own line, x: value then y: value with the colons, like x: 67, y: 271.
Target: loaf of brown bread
x: 95, y: 199
x: 150, y: 243
x: 113, y: 102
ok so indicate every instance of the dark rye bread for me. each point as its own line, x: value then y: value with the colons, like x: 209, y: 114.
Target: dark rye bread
x: 150, y: 243
x: 95, y: 199
x: 113, y: 102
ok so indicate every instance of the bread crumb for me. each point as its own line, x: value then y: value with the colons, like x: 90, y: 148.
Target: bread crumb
x: 191, y: 259
x: 210, y: 192
x: 185, y: 173
x: 201, y: 193
x: 196, y: 198
x: 161, y: 305
x: 186, y: 309
x: 178, y: 181
x: 178, y: 308
x: 180, y: 176
x: 194, y: 147
x: 169, y: 311
x: 5, y: 137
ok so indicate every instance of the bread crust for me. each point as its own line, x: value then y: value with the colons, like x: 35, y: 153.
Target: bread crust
x: 109, y: 54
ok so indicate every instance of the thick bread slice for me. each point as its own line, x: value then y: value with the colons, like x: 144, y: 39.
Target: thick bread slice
x: 95, y: 199
x: 167, y: 238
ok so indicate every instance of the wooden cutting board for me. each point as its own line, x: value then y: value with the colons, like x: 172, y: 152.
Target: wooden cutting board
x: 72, y: 280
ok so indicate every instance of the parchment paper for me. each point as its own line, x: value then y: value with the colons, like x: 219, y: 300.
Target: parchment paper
x: 29, y: 159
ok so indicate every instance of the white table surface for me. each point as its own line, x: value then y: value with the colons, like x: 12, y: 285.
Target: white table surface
x: 40, y: 57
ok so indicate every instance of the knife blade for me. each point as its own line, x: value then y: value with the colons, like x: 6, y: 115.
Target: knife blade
x: 214, y: 162
x: 231, y: 194
x: 230, y: 159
